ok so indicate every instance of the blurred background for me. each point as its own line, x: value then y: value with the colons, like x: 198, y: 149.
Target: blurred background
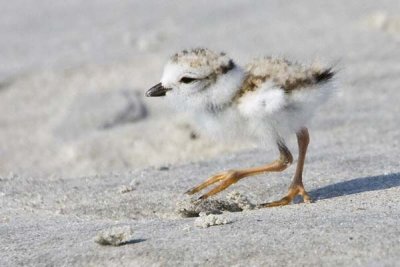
x: 73, y: 74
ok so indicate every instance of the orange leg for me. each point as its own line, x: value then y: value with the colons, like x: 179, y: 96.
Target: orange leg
x: 296, y: 187
x: 230, y: 177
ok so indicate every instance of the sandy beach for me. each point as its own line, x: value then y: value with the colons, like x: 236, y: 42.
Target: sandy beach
x: 83, y: 151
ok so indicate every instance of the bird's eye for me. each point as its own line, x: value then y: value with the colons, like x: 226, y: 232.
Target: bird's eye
x: 187, y: 80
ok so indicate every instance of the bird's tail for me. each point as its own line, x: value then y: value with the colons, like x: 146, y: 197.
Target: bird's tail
x: 323, y: 76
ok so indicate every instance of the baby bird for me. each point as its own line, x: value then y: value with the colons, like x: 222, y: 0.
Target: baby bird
x: 268, y: 99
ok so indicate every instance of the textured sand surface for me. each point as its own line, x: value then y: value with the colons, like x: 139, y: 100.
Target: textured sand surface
x: 82, y: 151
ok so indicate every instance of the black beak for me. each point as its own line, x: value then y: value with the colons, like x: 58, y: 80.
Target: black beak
x: 157, y: 90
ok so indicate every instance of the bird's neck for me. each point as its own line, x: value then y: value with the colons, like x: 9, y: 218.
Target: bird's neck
x: 225, y: 89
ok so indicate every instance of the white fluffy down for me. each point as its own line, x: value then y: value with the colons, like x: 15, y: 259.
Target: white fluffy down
x: 263, y: 102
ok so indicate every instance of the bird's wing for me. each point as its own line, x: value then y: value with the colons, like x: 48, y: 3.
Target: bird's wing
x: 271, y: 83
x: 285, y: 74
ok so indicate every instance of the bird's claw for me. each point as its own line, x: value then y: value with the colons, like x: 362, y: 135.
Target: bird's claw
x: 203, y: 197
x: 191, y: 191
x: 297, y: 190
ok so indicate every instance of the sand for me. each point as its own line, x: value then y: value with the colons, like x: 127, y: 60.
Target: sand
x: 82, y: 151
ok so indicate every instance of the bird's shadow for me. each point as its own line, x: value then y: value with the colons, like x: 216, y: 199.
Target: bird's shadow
x: 355, y: 186
x: 133, y: 241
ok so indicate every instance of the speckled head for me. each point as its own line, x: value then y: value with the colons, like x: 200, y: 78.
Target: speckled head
x: 192, y: 71
x: 202, y: 58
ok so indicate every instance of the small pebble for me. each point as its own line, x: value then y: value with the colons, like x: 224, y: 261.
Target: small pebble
x: 125, y: 189
x: 114, y: 236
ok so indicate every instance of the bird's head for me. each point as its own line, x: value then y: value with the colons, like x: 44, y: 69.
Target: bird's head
x: 195, y: 74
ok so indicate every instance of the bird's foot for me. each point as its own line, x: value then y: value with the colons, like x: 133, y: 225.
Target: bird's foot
x: 226, y: 178
x: 297, y: 190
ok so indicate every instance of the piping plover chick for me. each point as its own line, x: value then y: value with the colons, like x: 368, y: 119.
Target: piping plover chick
x: 268, y: 99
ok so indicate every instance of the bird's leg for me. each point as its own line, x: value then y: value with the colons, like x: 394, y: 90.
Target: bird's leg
x: 230, y: 177
x: 296, y: 187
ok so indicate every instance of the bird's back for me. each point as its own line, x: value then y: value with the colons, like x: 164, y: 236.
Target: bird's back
x: 284, y: 74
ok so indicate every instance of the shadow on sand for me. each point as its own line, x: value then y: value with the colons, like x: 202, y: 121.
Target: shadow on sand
x: 357, y: 185
x: 133, y: 241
